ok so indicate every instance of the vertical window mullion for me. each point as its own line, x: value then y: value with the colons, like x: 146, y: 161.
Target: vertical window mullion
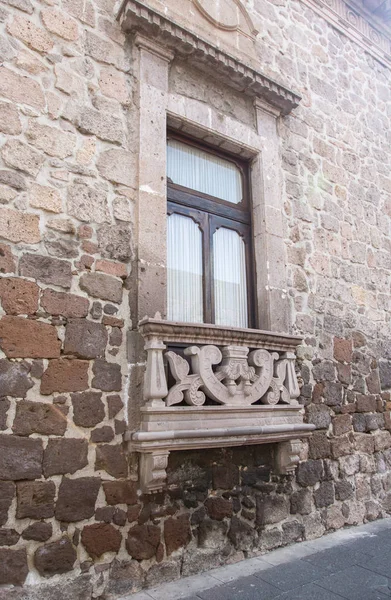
x: 208, y: 278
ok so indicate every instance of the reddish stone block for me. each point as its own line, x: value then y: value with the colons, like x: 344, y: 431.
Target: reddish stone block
x: 85, y: 339
x: 365, y: 403
x: 218, y: 508
x: 23, y: 338
x: 88, y: 408
x: 177, y: 533
x: 7, y: 261
x: 112, y: 268
x: 63, y: 456
x: 85, y: 232
x: 113, y: 321
x: 35, y: 499
x: 20, y: 458
x: 55, y: 558
x: 342, y: 424
x: 120, y: 492
x: 77, y: 498
x: 39, y: 417
x: 111, y: 459
x: 100, y: 538
x: 64, y: 304
x: 143, y: 541
x: 13, y: 566
x: 343, y: 350
x: 18, y: 296
x: 65, y: 375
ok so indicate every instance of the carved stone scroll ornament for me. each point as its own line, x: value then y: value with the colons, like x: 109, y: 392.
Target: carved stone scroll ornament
x: 240, y: 378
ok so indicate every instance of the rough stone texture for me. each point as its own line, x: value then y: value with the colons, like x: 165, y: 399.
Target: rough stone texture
x: 218, y: 508
x: 13, y: 566
x: 112, y: 460
x: 46, y: 269
x: 9, y: 119
x: 20, y: 458
x: 76, y: 498
x: 39, y: 532
x: 102, y: 286
x: 100, y: 538
x: 18, y: 296
x: 55, y: 558
x: 87, y: 204
x: 23, y: 338
x: 39, y: 417
x: 115, y: 242
x: 88, y: 408
x: 107, y: 376
x: 142, y: 541
x: 14, y: 378
x: 9, y: 537
x: 35, y: 499
x: 120, y: 492
x: 45, y: 197
x: 271, y: 509
x: 18, y: 155
x: 7, y: 492
x: 64, y: 456
x: 7, y: 262
x: 65, y: 375
x: 85, y: 339
x: 64, y: 304
x: 17, y: 226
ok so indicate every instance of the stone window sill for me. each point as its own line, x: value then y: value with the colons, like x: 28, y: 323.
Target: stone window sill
x: 237, y: 387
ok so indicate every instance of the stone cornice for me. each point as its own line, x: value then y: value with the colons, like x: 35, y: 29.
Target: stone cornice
x: 136, y: 17
x: 354, y: 18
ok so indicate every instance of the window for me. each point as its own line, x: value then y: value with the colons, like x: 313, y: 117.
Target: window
x: 209, y: 261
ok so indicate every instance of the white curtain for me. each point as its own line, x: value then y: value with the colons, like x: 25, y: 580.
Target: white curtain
x: 230, y: 288
x: 184, y: 270
x: 203, y: 172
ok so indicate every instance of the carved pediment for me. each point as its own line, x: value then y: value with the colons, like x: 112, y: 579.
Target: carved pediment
x: 229, y: 15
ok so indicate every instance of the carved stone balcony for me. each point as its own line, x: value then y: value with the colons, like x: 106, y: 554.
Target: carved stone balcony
x: 220, y: 387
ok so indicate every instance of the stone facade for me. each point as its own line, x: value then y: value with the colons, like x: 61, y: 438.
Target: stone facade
x: 78, y: 272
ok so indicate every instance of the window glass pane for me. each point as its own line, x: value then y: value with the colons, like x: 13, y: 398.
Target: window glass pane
x: 230, y: 290
x: 198, y: 170
x: 184, y: 270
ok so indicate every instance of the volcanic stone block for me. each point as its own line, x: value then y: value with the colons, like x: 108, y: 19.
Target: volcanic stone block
x: 324, y: 495
x: 120, y: 492
x: 301, y: 502
x: 100, y: 538
x: 114, y: 404
x: 272, y: 509
x: 177, y: 533
x: 35, y: 499
x: 85, y: 339
x: 242, y: 535
x: 309, y: 472
x: 143, y: 541
x: 107, y: 376
x: 13, y: 566
x: 65, y: 375
x: 23, y: 338
x: 102, y: 286
x: 218, y: 508
x: 102, y: 434
x: 48, y: 270
x: 14, y: 378
x: 385, y: 374
x: 55, y: 558
x: 112, y: 459
x: 66, y: 455
x: 8, y: 537
x: 88, y: 408
x: 4, y: 407
x: 18, y: 296
x: 39, y: 532
x: 319, y: 415
x: 20, y: 458
x: 64, y: 304
x: 39, y: 417
x: 7, y: 492
x: 76, y: 498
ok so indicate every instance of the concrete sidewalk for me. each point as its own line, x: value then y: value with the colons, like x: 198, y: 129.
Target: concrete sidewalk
x: 354, y: 564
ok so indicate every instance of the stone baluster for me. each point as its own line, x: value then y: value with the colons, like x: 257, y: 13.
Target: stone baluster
x: 155, y: 382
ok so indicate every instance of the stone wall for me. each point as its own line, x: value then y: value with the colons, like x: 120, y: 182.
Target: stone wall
x: 73, y: 522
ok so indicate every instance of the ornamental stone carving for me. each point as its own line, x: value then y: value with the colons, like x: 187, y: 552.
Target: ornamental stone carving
x: 227, y: 15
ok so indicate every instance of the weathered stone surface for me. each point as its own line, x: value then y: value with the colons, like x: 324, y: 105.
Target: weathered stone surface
x: 364, y: 443
x: 76, y: 498
x: 114, y: 404
x: 9, y: 537
x: 112, y: 460
x: 20, y: 458
x: 85, y: 339
x: 343, y: 350
x: 7, y: 493
x: 242, y: 535
x: 271, y: 509
x: 46, y: 269
x: 301, y: 502
x: 102, y: 434
x: 382, y: 440
x: 177, y: 533
x: 309, y: 472
x: 55, y: 558
x: 341, y: 446
x: 342, y: 424
x: 17, y: 226
x: 4, y: 408
x: 45, y: 197
x: 7, y: 261
x: 61, y: 246
x: 20, y: 156
x: 292, y: 531
x: 120, y: 492
x: 319, y: 445
x: 64, y: 304
x: 39, y: 532
x: 102, y: 286
x: 218, y: 508
x: 35, y: 499
x: 324, y: 495
x: 344, y: 490
x: 24, y: 338
x: 142, y: 541
x: 125, y: 577
x: 100, y: 538
x: 9, y: 119
x: 112, y: 268
x: 51, y: 140
x: 113, y: 84
x: 115, y: 242
x: 365, y: 403
x: 118, y: 166
x: 21, y: 89
x: 385, y: 374
x: 64, y: 456
x: 319, y: 415
x: 104, y: 125
x: 13, y: 566
x: 33, y: 36
x: 14, y: 378
x: 107, y: 376
x: 18, y: 296
x: 65, y: 375
x: 39, y: 417
x: 59, y: 23
x: 87, y: 203
x: 88, y: 408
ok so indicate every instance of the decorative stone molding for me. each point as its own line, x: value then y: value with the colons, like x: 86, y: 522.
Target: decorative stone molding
x: 136, y: 17
x: 226, y: 15
x: 235, y: 387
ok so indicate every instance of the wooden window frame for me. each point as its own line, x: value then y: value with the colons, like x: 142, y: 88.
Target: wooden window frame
x: 210, y: 213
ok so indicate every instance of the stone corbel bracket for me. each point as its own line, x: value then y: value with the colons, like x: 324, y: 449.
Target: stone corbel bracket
x: 235, y: 418
x: 135, y: 17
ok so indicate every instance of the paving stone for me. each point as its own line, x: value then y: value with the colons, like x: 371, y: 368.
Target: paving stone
x: 337, y: 558
x: 292, y: 575
x: 354, y: 583
x: 247, y: 588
